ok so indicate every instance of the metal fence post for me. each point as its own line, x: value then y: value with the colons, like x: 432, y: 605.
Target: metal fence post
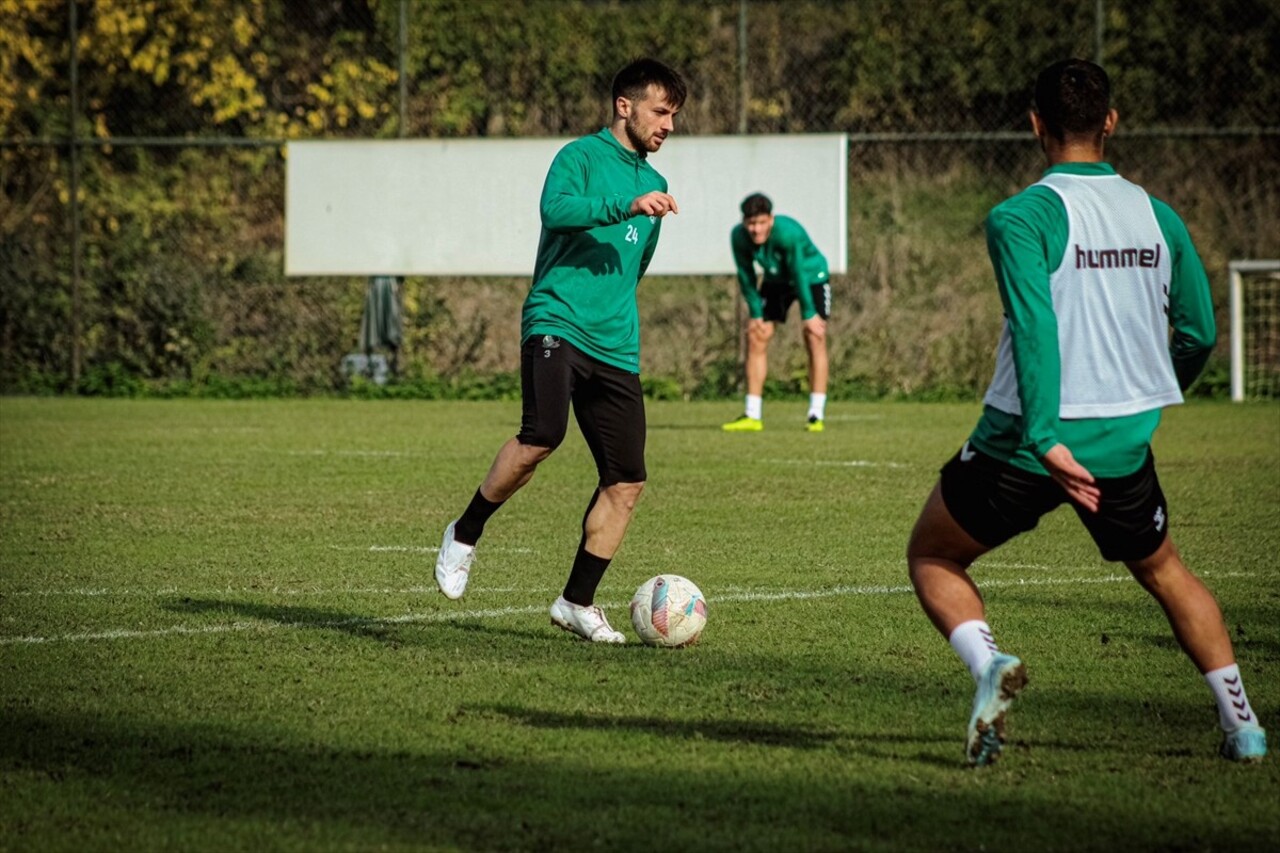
x: 743, y: 91
x: 404, y: 79
x: 1099, y: 29
x: 743, y: 95
x: 73, y: 145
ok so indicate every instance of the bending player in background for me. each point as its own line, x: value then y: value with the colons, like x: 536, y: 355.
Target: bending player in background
x: 1092, y: 272
x: 794, y: 270
x: 602, y: 208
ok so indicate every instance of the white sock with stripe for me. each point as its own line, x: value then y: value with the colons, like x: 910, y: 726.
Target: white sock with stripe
x: 1233, y: 704
x: 975, y: 644
x: 755, y: 405
x: 817, y: 406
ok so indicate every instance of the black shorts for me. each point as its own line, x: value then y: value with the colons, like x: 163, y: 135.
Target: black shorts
x: 994, y: 501
x: 778, y: 297
x: 607, y: 401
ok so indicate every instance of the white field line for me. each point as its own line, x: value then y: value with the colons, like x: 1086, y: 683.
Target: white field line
x: 107, y: 592
x: 163, y: 592
x: 421, y: 549
x: 831, y: 418
x: 836, y: 463
x: 495, y: 613
x: 390, y: 454
x: 265, y: 626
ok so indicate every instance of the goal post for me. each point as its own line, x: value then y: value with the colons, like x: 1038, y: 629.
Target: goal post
x: 1255, y: 328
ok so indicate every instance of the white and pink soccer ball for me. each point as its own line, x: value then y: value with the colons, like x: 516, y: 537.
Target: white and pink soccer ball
x: 668, y: 610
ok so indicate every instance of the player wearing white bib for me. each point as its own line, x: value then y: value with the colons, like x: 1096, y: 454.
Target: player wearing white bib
x: 1092, y: 274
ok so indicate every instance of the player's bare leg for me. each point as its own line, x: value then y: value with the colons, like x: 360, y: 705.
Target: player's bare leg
x: 607, y: 522
x: 603, y: 527
x: 938, y: 556
x: 815, y: 343
x: 1197, y: 624
x: 512, y: 468
x: 759, y: 333
x: 1192, y: 611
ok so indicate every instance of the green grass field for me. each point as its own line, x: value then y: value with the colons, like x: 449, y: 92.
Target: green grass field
x: 219, y: 630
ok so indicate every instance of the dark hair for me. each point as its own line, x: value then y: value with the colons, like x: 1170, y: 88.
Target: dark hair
x: 634, y: 80
x: 1073, y: 97
x: 756, y: 204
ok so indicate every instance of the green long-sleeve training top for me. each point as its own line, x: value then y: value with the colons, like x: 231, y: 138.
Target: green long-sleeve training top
x: 592, y: 252
x: 1027, y: 240
x: 787, y: 257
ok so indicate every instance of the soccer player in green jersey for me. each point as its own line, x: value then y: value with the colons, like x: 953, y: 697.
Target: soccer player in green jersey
x: 1092, y: 273
x: 602, y: 209
x: 794, y: 271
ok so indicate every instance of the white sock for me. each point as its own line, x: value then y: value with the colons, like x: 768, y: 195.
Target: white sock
x: 755, y: 406
x: 817, y: 405
x: 1233, y: 704
x: 975, y: 644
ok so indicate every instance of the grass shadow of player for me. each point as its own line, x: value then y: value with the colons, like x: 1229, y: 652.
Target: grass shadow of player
x: 293, y: 616
x: 741, y: 731
x: 389, y: 629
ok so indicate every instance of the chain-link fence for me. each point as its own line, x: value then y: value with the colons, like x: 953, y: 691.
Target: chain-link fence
x: 142, y: 147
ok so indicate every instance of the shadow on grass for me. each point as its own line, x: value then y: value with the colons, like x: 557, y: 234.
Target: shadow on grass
x: 882, y: 745
x: 381, y: 628
x: 291, y: 616
x: 686, y: 427
x: 740, y: 731
x: 85, y: 782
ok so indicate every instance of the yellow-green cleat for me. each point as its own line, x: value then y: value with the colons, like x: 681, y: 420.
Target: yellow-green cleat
x: 814, y: 424
x: 744, y: 424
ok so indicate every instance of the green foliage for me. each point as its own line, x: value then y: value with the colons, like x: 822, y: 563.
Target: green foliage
x: 1214, y: 382
x: 181, y: 282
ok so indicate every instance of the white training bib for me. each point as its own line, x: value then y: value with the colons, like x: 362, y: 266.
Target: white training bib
x: 1111, y: 298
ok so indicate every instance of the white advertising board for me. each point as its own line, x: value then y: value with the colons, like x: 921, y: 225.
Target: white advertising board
x: 470, y: 207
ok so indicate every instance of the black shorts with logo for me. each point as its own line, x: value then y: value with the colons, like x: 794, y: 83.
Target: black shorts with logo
x: 994, y: 501
x: 607, y: 402
x: 778, y: 297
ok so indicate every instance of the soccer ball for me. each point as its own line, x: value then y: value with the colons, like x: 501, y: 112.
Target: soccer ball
x: 668, y: 610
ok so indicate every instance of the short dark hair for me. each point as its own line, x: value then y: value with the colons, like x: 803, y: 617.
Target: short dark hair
x: 633, y: 81
x: 1073, y: 97
x: 756, y: 204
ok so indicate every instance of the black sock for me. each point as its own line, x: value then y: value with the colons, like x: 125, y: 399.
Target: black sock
x: 585, y: 576
x: 470, y: 526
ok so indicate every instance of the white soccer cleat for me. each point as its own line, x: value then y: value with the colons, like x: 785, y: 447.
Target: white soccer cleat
x: 587, y: 622
x: 453, y: 564
x: 1002, y: 680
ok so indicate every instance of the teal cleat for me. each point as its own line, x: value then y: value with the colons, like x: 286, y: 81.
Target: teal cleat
x: 1002, y: 680
x: 1246, y: 744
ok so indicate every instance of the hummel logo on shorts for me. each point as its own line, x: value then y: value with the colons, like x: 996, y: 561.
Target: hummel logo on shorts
x: 966, y: 454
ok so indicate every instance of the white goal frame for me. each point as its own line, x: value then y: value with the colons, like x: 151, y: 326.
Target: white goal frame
x: 1235, y: 275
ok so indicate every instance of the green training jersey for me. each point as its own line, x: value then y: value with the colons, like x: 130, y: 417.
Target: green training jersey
x: 787, y: 257
x: 592, y: 251
x: 1027, y: 237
